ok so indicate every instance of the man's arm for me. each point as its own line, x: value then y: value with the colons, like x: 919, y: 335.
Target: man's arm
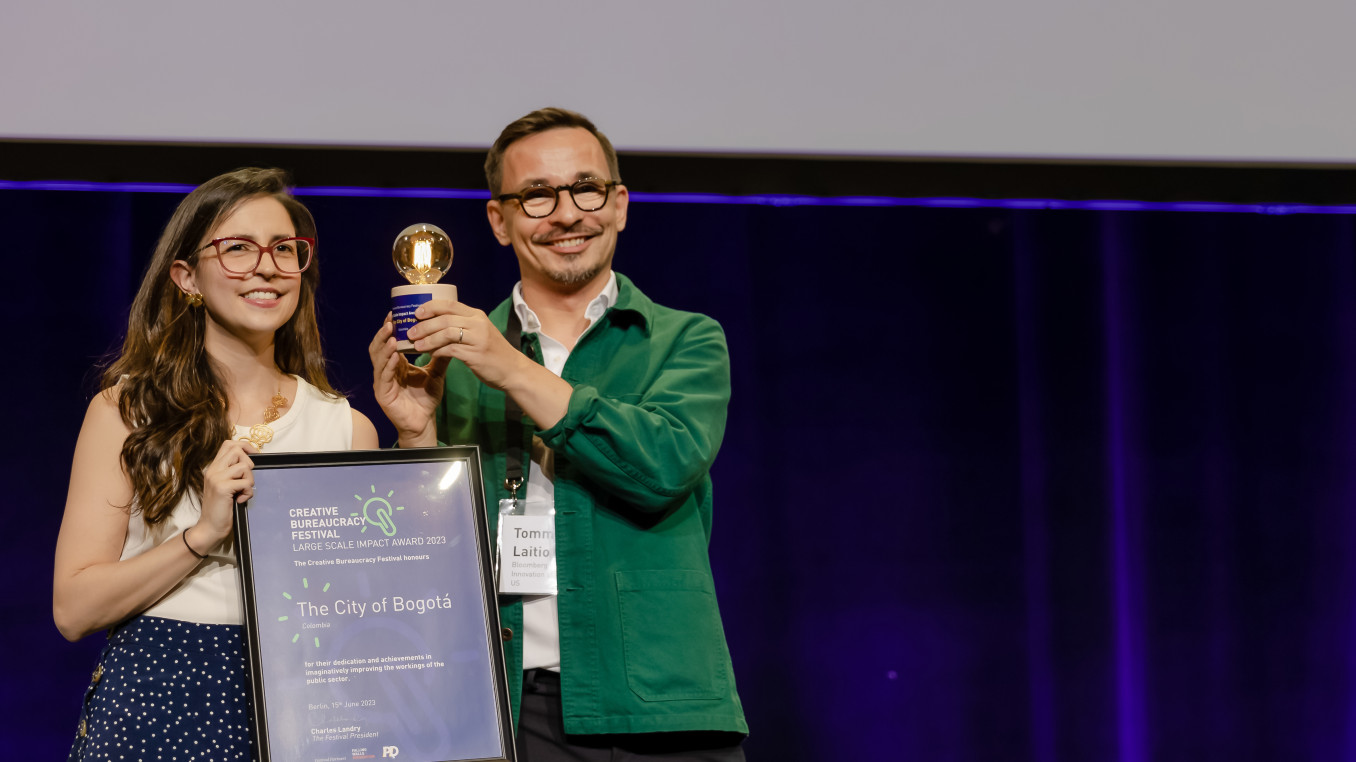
x: 655, y: 451
x: 650, y: 452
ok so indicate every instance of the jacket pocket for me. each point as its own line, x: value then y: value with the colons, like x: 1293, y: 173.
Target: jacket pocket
x: 671, y: 634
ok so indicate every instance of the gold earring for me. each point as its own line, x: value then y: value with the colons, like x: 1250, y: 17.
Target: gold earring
x: 193, y: 299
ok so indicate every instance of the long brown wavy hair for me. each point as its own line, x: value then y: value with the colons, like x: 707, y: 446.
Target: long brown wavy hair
x: 170, y: 395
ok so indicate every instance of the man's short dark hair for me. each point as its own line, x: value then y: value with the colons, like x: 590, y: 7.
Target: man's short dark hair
x: 542, y: 120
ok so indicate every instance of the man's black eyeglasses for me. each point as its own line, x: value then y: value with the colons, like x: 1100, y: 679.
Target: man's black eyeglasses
x: 589, y: 194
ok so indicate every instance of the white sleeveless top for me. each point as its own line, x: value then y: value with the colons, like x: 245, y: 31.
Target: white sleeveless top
x: 211, y: 594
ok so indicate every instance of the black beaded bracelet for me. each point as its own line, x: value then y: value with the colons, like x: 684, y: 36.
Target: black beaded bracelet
x: 184, y: 534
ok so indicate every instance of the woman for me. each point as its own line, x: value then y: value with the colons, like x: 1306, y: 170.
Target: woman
x: 222, y: 359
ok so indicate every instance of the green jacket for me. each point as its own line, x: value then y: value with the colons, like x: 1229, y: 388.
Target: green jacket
x: 642, y: 648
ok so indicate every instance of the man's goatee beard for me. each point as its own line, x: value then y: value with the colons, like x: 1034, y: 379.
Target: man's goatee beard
x: 575, y: 277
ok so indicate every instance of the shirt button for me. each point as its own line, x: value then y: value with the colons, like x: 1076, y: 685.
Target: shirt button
x: 98, y: 673
x: 82, y: 728
x: 506, y: 634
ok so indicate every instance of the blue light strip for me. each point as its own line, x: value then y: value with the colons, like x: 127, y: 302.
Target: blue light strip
x: 1100, y: 205
x: 393, y: 192
x: 80, y: 185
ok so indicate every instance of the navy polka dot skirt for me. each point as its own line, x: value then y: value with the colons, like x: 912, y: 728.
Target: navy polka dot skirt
x: 171, y: 690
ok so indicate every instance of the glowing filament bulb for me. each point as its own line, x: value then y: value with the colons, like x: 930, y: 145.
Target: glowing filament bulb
x: 422, y: 253
x: 423, y: 256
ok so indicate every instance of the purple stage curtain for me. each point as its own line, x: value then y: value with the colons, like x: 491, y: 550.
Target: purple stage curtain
x: 1052, y: 486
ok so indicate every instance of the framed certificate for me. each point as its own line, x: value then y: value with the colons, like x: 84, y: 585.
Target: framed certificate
x: 370, y: 611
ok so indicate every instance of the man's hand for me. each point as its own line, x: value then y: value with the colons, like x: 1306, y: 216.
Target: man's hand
x: 452, y: 330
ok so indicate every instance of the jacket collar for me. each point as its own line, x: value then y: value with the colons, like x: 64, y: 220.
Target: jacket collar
x: 632, y: 306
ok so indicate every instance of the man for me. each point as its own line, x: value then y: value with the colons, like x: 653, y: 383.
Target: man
x: 623, y: 422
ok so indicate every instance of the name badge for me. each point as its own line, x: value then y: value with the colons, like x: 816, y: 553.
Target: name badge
x: 527, y: 548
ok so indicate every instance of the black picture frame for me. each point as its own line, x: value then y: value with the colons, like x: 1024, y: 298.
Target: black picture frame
x: 418, y: 678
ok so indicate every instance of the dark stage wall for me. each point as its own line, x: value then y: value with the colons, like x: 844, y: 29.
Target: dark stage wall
x: 998, y: 485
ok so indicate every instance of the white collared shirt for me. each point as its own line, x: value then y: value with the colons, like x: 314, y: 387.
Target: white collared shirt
x: 541, y: 624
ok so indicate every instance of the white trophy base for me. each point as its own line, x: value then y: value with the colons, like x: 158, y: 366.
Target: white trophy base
x: 405, y: 299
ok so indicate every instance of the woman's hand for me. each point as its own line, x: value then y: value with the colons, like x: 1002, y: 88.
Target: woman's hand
x: 407, y: 393
x: 227, y: 480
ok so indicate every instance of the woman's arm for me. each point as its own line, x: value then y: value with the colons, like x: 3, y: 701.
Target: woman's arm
x: 364, y: 433
x: 91, y: 588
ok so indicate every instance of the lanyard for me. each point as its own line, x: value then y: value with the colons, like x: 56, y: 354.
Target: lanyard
x: 525, y: 562
x: 513, y: 415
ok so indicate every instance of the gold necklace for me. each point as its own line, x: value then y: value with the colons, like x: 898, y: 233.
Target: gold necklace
x: 261, y: 433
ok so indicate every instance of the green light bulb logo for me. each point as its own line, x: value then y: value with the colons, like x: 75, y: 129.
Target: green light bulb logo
x: 305, y: 583
x: 377, y: 512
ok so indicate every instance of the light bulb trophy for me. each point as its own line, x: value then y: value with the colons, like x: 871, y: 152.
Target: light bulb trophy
x: 423, y: 254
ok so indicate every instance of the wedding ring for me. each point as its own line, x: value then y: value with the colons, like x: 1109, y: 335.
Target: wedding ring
x: 461, y: 334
